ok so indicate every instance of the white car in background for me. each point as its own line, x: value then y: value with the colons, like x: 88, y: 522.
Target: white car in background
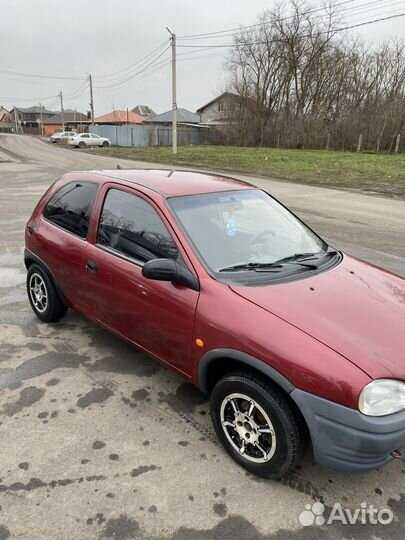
x: 62, y: 136
x: 88, y: 139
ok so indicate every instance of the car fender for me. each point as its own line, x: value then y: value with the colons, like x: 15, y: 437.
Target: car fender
x: 243, y: 358
x: 29, y: 256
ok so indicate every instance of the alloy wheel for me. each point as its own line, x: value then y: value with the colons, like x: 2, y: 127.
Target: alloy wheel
x: 248, y: 428
x: 38, y: 293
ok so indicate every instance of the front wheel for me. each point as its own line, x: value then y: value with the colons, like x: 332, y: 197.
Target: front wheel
x: 43, y: 296
x: 257, y: 425
x: 105, y: 144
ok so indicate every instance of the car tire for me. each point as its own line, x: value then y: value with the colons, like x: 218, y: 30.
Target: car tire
x: 81, y: 144
x: 105, y: 144
x: 269, y: 440
x: 43, y: 296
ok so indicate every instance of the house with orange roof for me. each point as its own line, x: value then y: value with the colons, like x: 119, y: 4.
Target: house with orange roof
x: 119, y: 118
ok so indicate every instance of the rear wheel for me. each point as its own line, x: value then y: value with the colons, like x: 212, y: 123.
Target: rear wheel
x: 257, y: 425
x: 43, y: 296
x: 81, y: 144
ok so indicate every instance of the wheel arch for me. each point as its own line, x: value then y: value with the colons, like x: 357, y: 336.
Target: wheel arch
x: 30, y: 259
x: 217, y: 362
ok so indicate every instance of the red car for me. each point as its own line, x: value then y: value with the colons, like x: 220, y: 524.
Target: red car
x: 293, y: 340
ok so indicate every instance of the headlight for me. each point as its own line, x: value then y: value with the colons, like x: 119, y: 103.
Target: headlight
x: 381, y: 397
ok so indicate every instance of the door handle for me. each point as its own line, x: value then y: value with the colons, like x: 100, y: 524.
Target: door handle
x: 91, y: 267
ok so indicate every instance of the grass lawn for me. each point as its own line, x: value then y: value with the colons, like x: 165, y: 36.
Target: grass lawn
x: 382, y: 174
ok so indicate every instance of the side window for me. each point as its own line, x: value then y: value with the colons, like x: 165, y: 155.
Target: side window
x: 131, y: 226
x: 85, y: 136
x: 71, y: 206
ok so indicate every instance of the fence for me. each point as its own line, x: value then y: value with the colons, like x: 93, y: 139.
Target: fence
x: 6, y: 127
x: 151, y: 135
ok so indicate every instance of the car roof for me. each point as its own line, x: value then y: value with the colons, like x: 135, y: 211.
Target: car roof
x: 170, y: 183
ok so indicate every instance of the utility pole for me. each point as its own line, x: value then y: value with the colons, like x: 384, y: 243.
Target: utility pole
x: 15, y: 120
x: 41, y: 119
x: 91, y: 99
x: 62, y: 112
x: 174, y: 91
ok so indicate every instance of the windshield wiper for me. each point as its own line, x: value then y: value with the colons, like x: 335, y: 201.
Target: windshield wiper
x: 270, y: 267
x: 276, y: 266
x: 302, y: 257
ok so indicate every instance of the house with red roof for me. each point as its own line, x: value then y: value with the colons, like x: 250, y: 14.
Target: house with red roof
x: 119, y: 118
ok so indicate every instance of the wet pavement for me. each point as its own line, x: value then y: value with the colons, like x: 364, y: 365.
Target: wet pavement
x: 98, y: 441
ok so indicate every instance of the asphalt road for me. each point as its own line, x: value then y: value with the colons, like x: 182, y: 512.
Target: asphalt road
x: 99, y: 441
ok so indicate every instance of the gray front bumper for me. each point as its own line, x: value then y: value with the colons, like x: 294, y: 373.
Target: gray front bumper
x: 346, y: 440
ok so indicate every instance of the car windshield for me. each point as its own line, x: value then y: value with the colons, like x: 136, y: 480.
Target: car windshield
x: 246, y: 227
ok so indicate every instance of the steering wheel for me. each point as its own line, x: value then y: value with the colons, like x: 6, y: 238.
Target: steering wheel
x: 257, y: 237
x: 104, y: 236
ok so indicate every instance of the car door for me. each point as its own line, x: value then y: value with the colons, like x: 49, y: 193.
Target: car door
x: 59, y: 235
x: 85, y: 138
x: 157, y: 316
x: 94, y: 139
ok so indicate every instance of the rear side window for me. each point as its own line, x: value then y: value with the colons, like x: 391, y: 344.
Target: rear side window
x: 131, y: 226
x: 70, y: 207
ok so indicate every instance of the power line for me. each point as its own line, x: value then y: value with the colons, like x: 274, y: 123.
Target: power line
x: 146, y: 57
x: 26, y: 100
x: 144, y: 68
x: 34, y: 75
x: 77, y: 90
x: 233, y: 30
x: 30, y: 82
x: 381, y: 4
x: 157, y: 67
x: 371, y: 10
x: 216, y: 55
x: 355, y: 10
x: 278, y: 40
x: 56, y: 77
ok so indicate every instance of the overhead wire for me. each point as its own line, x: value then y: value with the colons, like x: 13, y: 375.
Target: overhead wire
x: 277, y: 40
x: 36, y: 76
x: 376, y: 5
x: 244, y: 27
x: 157, y: 67
x: 150, y: 63
x: 124, y: 81
x: 146, y: 57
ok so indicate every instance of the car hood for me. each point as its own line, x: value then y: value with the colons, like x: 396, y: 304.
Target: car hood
x: 355, y: 309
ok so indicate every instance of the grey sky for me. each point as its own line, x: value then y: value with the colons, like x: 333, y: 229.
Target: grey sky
x: 75, y: 37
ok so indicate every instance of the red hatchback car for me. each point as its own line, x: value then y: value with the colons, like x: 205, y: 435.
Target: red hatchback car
x: 293, y: 340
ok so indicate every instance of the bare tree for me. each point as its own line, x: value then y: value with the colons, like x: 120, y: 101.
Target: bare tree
x: 298, y: 82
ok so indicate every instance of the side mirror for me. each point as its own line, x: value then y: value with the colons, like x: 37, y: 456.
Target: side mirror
x: 170, y: 270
